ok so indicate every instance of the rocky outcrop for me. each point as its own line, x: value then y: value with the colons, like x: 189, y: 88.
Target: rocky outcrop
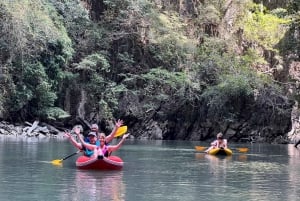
x: 259, y: 121
x: 35, y: 129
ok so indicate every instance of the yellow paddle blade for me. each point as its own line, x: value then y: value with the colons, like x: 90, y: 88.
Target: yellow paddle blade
x: 57, y: 162
x: 122, y: 130
x: 242, y: 149
x: 200, y: 148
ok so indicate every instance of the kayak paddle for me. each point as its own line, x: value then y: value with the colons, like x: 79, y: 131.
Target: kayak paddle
x: 242, y: 149
x: 58, y: 161
x: 122, y: 130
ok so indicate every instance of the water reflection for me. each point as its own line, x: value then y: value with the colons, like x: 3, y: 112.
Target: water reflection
x: 293, y: 152
x: 294, y: 173
x: 218, y: 166
x: 239, y: 157
x: 96, y: 185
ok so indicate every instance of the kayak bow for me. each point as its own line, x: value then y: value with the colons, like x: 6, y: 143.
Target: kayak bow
x: 107, y: 163
x: 220, y: 152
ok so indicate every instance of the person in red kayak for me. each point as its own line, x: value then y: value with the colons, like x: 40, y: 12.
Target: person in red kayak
x: 86, y: 146
x: 93, y: 137
x: 94, y: 147
x: 103, y: 149
x: 108, y: 149
x: 110, y: 137
x: 218, y: 143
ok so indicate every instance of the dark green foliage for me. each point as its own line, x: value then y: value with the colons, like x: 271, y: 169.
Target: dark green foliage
x: 4, y: 31
x: 168, y: 54
x: 94, y: 78
x: 93, y: 63
x: 104, y: 94
x: 290, y: 44
x: 19, y: 98
x: 163, y: 85
x: 33, y: 95
x: 228, y: 99
x: 228, y: 84
x: 293, y: 6
x: 61, y: 50
x: 35, y: 57
x: 54, y: 61
x: 86, y: 35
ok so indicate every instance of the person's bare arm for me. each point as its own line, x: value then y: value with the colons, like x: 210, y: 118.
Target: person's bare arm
x: 225, y: 143
x: 116, y: 147
x: 85, y: 144
x: 72, y: 140
x: 111, y: 136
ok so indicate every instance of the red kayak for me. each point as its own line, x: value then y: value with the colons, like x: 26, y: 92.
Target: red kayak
x: 107, y: 163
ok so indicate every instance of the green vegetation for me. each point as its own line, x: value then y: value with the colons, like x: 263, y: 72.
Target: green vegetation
x: 52, y: 50
x: 35, y: 54
x: 263, y: 28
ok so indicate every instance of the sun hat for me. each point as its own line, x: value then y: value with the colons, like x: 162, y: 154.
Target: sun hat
x: 92, y: 134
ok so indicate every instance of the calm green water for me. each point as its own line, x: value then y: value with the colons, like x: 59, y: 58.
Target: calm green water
x: 153, y: 170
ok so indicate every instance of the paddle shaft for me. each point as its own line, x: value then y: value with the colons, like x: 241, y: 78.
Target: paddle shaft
x: 70, y: 155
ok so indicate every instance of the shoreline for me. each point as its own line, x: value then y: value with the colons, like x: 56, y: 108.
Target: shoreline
x: 29, y: 130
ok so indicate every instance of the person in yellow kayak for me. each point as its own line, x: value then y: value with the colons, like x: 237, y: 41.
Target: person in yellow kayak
x: 220, y: 142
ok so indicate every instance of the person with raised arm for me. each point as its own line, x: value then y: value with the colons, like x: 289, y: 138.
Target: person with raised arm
x: 106, y: 150
x: 111, y: 136
x: 89, y: 148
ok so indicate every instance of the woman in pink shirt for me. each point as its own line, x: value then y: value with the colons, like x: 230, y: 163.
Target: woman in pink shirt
x: 218, y: 143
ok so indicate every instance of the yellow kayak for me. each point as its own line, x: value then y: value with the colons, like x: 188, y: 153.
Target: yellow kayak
x: 220, y: 152
x: 226, y: 152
